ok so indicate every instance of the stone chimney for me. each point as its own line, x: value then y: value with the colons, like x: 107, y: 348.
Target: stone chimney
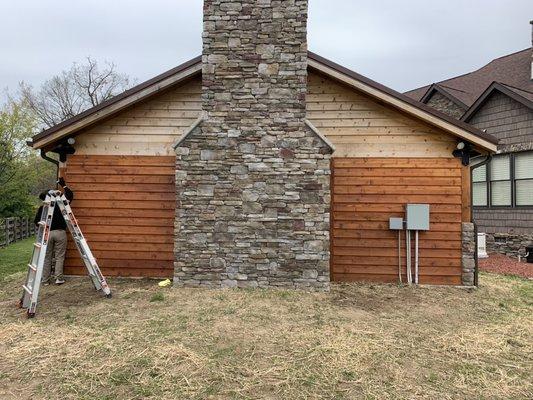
x: 255, y: 60
x: 252, y: 178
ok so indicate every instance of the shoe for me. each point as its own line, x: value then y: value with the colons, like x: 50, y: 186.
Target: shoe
x: 60, y: 281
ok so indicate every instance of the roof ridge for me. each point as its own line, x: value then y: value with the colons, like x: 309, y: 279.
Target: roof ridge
x: 471, y: 72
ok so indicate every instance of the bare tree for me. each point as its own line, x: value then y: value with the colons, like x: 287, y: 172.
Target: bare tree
x: 71, y: 92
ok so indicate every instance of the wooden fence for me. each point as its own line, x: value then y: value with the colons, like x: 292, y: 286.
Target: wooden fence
x: 14, y: 229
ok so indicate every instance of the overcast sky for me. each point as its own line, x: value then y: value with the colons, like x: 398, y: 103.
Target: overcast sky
x: 402, y: 44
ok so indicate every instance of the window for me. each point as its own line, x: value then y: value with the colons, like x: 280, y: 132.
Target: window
x: 479, y: 185
x: 507, y: 181
x: 500, y: 181
x: 523, y: 175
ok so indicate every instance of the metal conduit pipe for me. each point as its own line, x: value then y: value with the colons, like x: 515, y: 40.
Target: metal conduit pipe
x: 408, y: 253
x: 416, y: 257
x: 400, y: 255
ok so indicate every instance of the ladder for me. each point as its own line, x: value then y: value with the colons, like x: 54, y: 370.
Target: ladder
x: 32, y: 285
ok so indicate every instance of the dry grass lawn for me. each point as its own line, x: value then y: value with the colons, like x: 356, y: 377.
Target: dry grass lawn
x: 356, y: 342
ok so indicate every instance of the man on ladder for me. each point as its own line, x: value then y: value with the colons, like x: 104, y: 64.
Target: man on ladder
x: 52, y: 232
x: 57, y: 242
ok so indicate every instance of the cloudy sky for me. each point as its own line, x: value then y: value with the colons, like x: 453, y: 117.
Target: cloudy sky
x: 402, y: 44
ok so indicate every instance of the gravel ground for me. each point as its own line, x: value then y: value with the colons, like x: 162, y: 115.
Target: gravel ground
x: 501, y: 264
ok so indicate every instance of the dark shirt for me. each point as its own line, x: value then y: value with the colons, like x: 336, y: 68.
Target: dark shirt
x: 58, y: 222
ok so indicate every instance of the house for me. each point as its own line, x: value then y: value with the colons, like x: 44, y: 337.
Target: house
x: 261, y: 164
x: 498, y: 99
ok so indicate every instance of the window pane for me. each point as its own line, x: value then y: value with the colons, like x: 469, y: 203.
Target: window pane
x: 523, y: 165
x: 479, y: 194
x: 500, y: 193
x: 500, y: 168
x: 479, y: 174
x: 524, y: 193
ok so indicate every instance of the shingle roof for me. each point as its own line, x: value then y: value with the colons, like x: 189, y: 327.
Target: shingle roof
x: 513, y: 70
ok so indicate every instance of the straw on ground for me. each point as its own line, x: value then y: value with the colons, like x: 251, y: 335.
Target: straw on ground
x: 358, y: 341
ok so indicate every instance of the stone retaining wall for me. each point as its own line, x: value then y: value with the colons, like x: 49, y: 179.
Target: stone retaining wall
x: 509, y: 244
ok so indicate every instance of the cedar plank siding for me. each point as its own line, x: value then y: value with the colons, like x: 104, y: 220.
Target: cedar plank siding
x: 148, y: 128
x: 124, y: 169
x: 361, y: 127
x: 512, y: 123
x: 125, y: 207
x: 366, y: 192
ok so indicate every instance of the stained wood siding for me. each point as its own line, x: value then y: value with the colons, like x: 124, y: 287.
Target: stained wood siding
x: 361, y: 127
x: 125, y: 207
x: 366, y: 192
x: 148, y: 128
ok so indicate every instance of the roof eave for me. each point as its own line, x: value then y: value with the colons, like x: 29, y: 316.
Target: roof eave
x: 336, y: 71
x: 404, y: 103
x: 494, y: 86
x: 117, y: 103
x: 435, y: 87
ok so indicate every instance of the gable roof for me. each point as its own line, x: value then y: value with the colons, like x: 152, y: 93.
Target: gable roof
x: 512, y: 69
x: 445, y: 91
x: 522, y: 96
x: 117, y: 103
x: 193, y: 67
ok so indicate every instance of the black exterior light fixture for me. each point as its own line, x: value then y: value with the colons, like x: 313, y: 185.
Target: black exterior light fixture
x: 65, y: 148
x: 463, y: 150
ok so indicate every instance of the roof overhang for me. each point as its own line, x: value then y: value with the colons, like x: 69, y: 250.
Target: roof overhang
x: 496, y: 87
x: 117, y: 103
x: 436, y: 88
x: 403, y: 103
x: 193, y: 67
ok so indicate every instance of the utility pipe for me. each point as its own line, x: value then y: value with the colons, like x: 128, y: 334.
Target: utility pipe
x: 399, y: 255
x: 408, y: 253
x: 416, y: 257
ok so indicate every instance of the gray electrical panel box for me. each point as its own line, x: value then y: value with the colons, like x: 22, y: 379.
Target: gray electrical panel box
x: 395, y: 224
x: 417, y: 217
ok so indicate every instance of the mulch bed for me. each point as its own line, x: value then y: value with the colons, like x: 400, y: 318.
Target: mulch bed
x: 500, y: 264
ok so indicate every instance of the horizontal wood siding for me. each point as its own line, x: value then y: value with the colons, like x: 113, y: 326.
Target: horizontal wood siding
x: 366, y: 192
x: 359, y: 126
x: 125, y: 207
x: 148, y: 128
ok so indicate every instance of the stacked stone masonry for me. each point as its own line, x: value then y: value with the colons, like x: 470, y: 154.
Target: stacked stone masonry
x: 510, y: 244
x: 253, y: 181
x: 469, y: 249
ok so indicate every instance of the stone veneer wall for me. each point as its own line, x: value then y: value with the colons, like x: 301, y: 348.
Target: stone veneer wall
x: 510, y: 244
x: 444, y: 104
x: 468, y: 237
x: 252, y: 179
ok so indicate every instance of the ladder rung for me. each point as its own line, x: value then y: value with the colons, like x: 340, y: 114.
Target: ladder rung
x: 42, y: 223
x: 38, y: 245
x: 32, y: 267
x: 27, y: 289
